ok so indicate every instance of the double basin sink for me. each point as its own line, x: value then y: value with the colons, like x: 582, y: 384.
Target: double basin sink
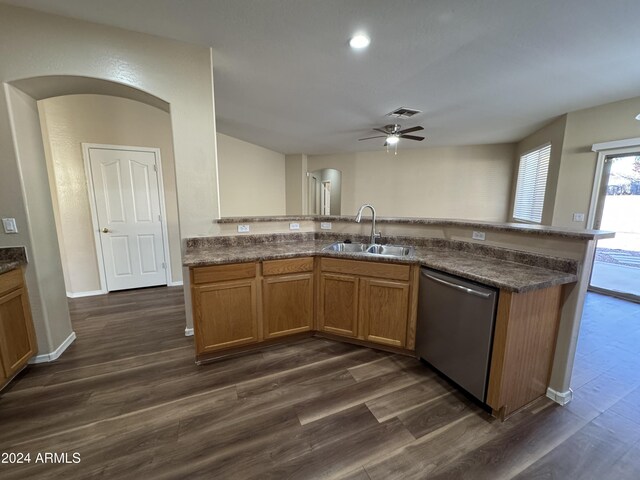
x: 371, y: 249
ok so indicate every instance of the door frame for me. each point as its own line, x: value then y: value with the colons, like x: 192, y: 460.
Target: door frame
x: 94, y: 212
x: 607, y: 149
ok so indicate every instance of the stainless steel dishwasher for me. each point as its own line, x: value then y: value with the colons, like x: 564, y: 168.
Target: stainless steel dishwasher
x: 456, y: 318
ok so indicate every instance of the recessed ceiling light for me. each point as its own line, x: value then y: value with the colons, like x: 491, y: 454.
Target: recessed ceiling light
x: 359, y: 40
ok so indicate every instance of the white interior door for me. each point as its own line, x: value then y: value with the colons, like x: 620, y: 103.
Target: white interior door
x: 126, y: 193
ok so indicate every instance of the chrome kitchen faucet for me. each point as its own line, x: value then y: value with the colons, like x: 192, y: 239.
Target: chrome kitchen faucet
x: 374, y: 234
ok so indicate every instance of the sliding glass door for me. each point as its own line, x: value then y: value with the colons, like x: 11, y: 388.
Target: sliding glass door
x: 616, y: 269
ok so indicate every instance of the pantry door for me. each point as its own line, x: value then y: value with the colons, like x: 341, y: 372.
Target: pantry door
x: 126, y: 193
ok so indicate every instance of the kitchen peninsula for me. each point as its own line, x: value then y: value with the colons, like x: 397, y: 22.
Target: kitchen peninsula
x: 273, y: 284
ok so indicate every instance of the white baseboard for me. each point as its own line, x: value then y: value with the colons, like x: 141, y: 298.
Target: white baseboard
x: 90, y: 293
x: 50, y: 357
x: 188, y: 332
x: 179, y: 283
x: 560, y: 397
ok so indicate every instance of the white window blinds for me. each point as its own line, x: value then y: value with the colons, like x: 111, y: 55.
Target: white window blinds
x: 532, y: 182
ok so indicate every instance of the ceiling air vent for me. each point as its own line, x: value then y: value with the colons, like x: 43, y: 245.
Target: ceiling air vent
x: 403, y: 112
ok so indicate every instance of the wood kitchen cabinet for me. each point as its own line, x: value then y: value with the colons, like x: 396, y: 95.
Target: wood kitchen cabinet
x: 338, y: 309
x: 523, y: 348
x: 365, y: 300
x: 17, y: 337
x: 225, y: 306
x: 384, y: 310
x: 287, y: 296
x: 236, y: 306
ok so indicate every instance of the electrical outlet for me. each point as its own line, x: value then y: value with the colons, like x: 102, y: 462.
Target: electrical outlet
x: 578, y: 217
x: 294, y: 226
x: 9, y: 225
x: 325, y: 225
x: 477, y: 235
x: 243, y: 228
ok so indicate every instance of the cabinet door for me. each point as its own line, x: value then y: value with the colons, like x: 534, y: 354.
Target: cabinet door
x: 17, y: 341
x: 287, y: 302
x: 338, y: 312
x: 225, y: 314
x: 385, y: 307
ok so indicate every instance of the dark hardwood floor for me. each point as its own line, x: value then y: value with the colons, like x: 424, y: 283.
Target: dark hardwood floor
x: 129, y: 399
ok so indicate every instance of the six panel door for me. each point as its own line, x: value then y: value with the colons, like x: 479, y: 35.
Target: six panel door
x: 127, y: 203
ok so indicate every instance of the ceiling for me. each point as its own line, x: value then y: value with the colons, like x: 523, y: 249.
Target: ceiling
x: 481, y: 71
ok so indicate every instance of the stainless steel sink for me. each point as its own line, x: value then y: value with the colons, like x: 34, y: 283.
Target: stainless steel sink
x: 347, y: 247
x: 368, y: 249
x: 390, y: 250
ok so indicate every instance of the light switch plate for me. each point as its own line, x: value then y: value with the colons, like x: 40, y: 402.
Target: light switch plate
x: 243, y: 229
x: 294, y: 226
x: 578, y: 217
x: 477, y: 235
x: 9, y: 225
x: 325, y: 225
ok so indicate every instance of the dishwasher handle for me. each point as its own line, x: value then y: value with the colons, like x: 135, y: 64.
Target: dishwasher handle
x: 458, y: 287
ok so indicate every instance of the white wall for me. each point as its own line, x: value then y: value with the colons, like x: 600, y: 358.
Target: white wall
x: 252, y: 179
x: 468, y: 182
x: 33, y: 44
x: 71, y: 120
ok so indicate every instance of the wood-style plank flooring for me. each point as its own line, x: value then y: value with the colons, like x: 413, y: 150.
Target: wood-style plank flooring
x: 129, y: 399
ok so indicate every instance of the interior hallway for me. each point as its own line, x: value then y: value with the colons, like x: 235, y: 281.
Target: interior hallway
x: 128, y: 397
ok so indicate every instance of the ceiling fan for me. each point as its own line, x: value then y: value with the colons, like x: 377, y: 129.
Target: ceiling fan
x: 393, y: 133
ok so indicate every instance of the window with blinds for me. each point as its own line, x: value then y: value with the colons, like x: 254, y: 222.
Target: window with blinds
x: 532, y: 183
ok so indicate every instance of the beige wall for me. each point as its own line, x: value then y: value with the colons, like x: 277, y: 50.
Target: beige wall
x: 296, y: 167
x: 552, y: 133
x: 33, y: 44
x: 467, y: 182
x: 44, y: 280
x: 613, y: 121
x: 71, y: 120
x: 252, y: 179
x: 572, y: 167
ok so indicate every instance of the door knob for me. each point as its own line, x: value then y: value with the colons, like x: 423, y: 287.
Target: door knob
x: 105, y: 230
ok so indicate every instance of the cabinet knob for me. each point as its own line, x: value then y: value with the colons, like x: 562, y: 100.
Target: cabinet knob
x: 105, y: 230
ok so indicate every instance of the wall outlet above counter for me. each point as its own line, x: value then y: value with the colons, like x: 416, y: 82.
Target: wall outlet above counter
x: 478, y: 235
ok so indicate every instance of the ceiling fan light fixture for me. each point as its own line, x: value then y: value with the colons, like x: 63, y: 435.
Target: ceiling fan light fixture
x: 392, y: 139
x: 638, y: 117
x: 359, y: 41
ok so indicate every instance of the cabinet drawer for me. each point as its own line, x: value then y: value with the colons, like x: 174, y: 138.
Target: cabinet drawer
x: 288, y: 265
x: 10, y: 281
x: 366, y: 269
x: 221, y: 273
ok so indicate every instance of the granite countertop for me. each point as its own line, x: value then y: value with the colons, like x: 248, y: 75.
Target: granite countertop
x: 496, y: 272
x: 7, y: 266
x: 12, y: 258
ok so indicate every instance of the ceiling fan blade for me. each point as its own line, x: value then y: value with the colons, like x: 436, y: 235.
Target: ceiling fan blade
x: 412, y: 137
x: 369, y: 138
x: 409, y: 130
x: 381, y: 130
